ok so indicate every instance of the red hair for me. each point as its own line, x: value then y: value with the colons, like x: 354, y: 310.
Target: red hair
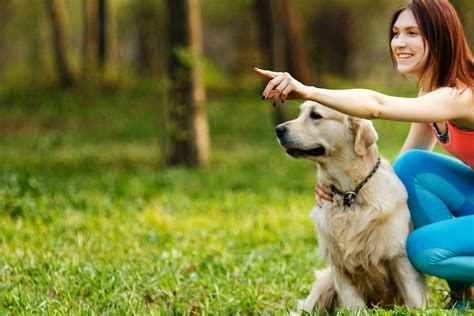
x: 449, y: 57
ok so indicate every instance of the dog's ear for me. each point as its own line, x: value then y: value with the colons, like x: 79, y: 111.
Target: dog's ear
x: 364, y: 134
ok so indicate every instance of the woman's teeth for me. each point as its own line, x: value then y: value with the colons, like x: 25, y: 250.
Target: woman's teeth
x: 404, y: 56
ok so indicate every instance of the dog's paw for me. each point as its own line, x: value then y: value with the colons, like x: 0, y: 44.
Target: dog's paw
x: 300, y: 309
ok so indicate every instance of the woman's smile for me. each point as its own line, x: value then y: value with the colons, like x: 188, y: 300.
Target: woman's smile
x: 404, y: 56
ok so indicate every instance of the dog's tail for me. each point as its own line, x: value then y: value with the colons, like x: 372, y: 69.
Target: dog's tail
x: 323, y: 292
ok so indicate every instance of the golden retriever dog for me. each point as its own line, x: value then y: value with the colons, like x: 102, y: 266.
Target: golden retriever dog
x: 362, y: 233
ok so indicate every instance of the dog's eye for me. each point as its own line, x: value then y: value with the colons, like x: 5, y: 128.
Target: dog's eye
x: 315, y: 116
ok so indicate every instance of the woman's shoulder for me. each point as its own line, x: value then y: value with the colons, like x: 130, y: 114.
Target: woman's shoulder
x: 452, y: 91
x: 464, y: 99
x: 461, y: 95
x: 457, y: 103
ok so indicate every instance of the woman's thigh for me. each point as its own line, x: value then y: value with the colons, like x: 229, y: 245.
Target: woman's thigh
x: 439, y: 187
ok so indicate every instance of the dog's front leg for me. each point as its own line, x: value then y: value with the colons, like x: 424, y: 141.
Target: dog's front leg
x: 409, y: 282
x: 322, y: 292
x: 350, y: 297
x: 308, y: 303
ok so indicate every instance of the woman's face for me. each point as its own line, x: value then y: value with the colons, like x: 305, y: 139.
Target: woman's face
x: 408, y: 45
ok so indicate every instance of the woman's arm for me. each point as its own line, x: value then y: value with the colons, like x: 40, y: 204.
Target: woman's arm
x: 439, y: 105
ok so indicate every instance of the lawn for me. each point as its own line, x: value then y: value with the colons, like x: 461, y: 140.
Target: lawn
x: 91, y: 223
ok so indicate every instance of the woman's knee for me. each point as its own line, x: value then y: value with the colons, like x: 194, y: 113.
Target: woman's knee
x: 408, y: 163
x: 415, y: 242
x: 423, y: 255
x: 418, y: 256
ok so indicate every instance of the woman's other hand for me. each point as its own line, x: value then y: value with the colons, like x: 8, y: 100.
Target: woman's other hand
x: 282, y: 86
x: 322, y: 193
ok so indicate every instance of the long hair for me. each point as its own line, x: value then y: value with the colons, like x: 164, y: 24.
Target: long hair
x: 450, y: 58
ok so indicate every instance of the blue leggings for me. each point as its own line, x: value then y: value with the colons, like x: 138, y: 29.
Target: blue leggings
x: 441, y: 201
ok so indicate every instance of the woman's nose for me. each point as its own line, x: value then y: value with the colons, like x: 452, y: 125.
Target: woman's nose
x: 399, y: 42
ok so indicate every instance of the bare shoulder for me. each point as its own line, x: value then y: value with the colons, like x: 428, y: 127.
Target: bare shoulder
x: 462, y: 100
x: 461, y: 95
x: 456, y: 104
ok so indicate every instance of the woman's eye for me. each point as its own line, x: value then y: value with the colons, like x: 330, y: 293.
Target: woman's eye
x: 315, y: 116
x: 395, y: 34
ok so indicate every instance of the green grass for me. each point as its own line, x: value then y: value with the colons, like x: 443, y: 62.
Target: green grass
x: 91, y: 224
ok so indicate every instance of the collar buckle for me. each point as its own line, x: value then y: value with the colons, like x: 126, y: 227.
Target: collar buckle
x: 349, y: 197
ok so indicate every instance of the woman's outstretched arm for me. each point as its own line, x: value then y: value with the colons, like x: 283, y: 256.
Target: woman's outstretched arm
x: 439, y: 105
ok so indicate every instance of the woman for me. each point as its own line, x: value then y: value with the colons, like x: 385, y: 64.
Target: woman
x: 427, y: 41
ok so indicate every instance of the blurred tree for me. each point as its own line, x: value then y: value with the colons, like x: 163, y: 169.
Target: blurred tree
x: 97, y: 38
x: 334, y: 28
x: 464, y: 11
x: 145, y: 20
x: 57, y: 14
x: 33, y: 18
x: 5, y: 14
x: 89, y: 37
x: 104, y: 36
x: 189, y: 131
x: 282, y: 42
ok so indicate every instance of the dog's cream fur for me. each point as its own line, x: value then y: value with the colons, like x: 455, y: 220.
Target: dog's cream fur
x: 364, y: 243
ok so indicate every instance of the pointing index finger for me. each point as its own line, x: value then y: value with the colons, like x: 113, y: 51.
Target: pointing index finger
x: 266, y: 73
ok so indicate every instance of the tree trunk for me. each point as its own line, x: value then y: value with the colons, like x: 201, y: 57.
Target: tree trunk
x: 90, y: 38
x: 279, y: 55
x: 272, y: 44
x: 281, y: 40
x: 5, y: 16
x: 35, y: 44
x: 298, y: 61
x: 189, y: 132
x: 145, y: 51
x: 57, y: 14
x: 103, y: 34
x: 265, y: 29
x: 334, y: 21
x: 148, y: 54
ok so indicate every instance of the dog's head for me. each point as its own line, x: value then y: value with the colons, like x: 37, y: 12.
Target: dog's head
x: 320, y: 133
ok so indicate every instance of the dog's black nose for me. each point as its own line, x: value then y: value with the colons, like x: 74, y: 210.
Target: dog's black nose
x: 280, y: 130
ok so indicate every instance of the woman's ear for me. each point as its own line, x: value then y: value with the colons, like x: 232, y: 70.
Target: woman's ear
x: 364, y: 134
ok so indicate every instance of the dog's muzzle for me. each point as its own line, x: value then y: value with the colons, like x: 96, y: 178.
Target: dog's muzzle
x: 291, y: 148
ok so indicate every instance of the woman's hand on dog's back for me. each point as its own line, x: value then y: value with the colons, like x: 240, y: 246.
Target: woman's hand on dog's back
x: 322, y: 193
x: 282, y: 86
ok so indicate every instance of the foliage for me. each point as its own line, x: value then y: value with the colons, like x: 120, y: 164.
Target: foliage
x: 90, y: 223
x: 139, y: 37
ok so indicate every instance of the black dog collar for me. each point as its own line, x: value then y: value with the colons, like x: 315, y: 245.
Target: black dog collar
x: 349, y: 196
